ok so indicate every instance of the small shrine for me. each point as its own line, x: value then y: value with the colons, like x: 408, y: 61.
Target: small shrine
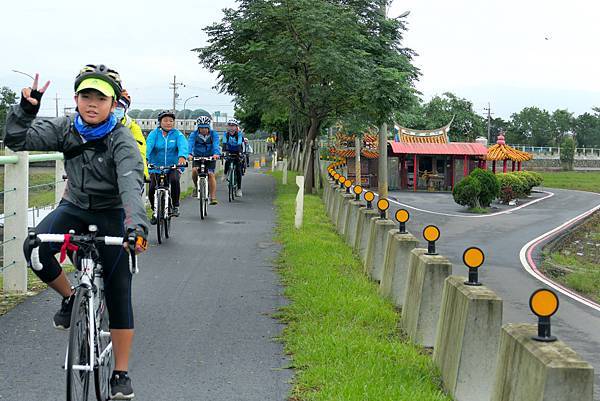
x: 502, y: 152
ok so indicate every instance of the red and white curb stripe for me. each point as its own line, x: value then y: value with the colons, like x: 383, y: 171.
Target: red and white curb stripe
x: 526, y: 256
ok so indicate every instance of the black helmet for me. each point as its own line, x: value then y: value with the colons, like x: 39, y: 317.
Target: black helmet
x: 101, y: 72
x: 165, y: 113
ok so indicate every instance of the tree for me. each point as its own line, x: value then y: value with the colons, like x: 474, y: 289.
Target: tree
x: 531, y: 126
x: 134, y: 113
x: 567, y: 153
x: 7, y: 99
x: 586, y: 129
x: 490, y: 187
x: 466, y: 192
x: 316, y: 59
x: 562, y: 124
x: 466, y: 126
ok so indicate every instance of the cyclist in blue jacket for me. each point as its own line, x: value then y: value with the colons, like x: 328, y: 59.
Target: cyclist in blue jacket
x: 204, y: 142
x: 233, y: 142
x: 166, y: 146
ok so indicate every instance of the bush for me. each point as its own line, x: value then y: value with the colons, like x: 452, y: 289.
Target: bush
x: 466, y: 192
x: 567, y: 153
x: 490, y: 187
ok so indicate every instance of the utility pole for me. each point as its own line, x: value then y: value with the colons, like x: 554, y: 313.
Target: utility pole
x: 489, y: 118
x: 175, y: 85
x: 56, y: 98
x: 382, y: 174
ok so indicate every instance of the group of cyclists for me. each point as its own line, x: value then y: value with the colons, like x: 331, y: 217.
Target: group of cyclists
x: 106, y: 161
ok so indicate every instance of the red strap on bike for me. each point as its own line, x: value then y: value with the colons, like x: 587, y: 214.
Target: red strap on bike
x: 67, y: 246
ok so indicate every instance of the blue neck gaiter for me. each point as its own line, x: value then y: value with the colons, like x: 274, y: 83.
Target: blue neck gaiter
x: 94, y: 132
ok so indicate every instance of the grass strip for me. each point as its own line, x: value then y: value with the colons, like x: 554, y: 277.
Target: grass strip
x: 343, y: 337
x: 583, y: 181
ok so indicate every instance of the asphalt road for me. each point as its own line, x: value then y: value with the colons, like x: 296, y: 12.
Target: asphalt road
x: 501, y: 237
x: 202, y: 302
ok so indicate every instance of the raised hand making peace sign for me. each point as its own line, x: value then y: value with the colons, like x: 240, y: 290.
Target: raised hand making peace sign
x: 31, y: 97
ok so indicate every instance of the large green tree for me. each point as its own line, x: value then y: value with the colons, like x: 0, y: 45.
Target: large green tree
x: 7, y: 98
x: 530, y: 126
x: 315, y: 59
x: 586, y: 128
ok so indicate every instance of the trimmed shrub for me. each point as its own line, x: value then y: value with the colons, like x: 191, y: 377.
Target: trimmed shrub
x: 466, y: 192
x: 490, y: 187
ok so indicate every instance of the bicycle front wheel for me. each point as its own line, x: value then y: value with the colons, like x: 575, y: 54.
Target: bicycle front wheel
x: 105, y: 366
x: 202, y: 197
x: 79, y: 362
x: 167, y: 216
x: 160, y: 212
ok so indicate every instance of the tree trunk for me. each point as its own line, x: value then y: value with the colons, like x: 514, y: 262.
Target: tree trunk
x: 309, y: 178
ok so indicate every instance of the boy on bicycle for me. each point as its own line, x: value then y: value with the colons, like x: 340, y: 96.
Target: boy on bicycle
x: 233, y: 143
x: 204, y: 142
x: 105, y: 173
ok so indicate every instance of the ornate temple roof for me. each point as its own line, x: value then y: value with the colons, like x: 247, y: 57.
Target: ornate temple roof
x: 501, y: 151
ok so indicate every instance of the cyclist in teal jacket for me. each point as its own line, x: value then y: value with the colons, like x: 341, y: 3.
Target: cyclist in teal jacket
x: 166, y: 146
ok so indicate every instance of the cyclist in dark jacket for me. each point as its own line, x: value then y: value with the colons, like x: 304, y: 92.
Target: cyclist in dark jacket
x: 204, y: 142
x: 233, y: 142
x: 105, y: 172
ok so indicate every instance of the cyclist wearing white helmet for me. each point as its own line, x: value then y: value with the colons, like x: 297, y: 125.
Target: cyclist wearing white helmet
x: 233, y: 141
x: 204, y: 142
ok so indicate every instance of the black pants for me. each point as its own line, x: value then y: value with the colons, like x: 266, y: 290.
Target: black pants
x: 238, y: 171
x: 173, y: 176
x: 114, y: 259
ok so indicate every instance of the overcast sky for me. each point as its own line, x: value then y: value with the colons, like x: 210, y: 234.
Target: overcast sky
x: 510, y: 53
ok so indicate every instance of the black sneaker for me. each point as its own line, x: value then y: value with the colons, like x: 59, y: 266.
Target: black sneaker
x: 175, y: 211
x: 153, y: 220
x: 120, y: 387
x: 62, y: 318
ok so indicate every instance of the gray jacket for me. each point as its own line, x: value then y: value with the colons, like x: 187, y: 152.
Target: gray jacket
x: 106, y: 174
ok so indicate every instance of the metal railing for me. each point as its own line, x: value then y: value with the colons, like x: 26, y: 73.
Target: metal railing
x: 583, y: 152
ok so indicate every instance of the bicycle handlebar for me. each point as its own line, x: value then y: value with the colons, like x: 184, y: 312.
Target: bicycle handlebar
x: 171, y: 167
x: 34, y: 241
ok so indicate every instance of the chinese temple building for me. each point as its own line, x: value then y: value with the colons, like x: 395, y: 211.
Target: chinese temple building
x: 427, y: 160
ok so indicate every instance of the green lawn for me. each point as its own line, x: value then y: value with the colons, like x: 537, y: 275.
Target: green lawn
x: 342, y: 336
x: 40, y: 195
x: 583, y: 181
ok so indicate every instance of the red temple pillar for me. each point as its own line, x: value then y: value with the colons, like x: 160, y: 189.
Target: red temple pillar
x: 504, y: 166
x: 513, y: 165
x: 519, y: 166
x: 485, y: 164
x: 466, y: 166
x: 415, y: 173
x: 494, y: 166
x: 452, y: 171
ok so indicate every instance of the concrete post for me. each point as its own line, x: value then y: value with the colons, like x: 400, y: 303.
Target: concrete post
x: 285, y: 172
x: 423, y: 296
x: 330, y: 198
x: 363, y: 229
x: 343, y: 213
x: 351, y: 221
x: 466, y: 346
x: 365, y: 239
x: 530, y: 370
x: 299, y: 201
x: 395, y: 269
x: 378, y: 244
x: 60, y: 183
x: 16, y: 201
x: 337, y: 200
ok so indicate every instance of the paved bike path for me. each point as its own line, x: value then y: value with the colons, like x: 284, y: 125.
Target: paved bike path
x: 202, y: 305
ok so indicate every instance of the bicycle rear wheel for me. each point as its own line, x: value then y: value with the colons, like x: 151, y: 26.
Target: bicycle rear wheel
x: 105, y: 366
x: 78, y: 354
x: 160, y: 212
